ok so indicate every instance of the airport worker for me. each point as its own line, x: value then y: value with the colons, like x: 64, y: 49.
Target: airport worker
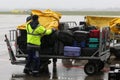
x: 29, y: 17
x: 35, y: 31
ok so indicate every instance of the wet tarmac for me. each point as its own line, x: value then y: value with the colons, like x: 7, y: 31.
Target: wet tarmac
x: 64, y: 70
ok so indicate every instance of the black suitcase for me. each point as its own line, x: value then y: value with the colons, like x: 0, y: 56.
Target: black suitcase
x: 89, y: 51
x: 80, y: 35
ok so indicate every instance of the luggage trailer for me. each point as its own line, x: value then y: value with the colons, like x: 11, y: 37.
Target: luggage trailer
x: 94, y: 65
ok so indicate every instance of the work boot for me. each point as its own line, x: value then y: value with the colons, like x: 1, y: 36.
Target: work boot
x: 26, y: 71
x: 35, y: 73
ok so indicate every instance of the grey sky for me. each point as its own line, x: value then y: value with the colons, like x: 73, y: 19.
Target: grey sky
x: 59, y: 4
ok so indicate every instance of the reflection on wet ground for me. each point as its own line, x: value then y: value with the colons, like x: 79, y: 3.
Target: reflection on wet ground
x: 64, y: 70
x: 28, y: 77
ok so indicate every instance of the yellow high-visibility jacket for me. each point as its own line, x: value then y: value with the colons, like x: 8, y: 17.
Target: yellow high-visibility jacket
x: 34, y: 35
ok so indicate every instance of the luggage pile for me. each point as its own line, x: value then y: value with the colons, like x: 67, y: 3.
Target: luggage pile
x: 77, y: 42
x: 94, y: 39
x: 68, y: 41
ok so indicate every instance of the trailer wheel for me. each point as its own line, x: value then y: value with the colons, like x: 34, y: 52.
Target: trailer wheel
x: 101, y: 65
x: 90, y: 68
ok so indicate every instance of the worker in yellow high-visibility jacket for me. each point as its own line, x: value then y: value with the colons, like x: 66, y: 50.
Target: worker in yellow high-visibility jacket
x: 35, y: 31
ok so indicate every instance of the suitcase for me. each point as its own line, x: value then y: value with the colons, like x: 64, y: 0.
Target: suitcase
x: 88, y: 28
x: 89, y: 51
x: 81, y: 44
x: 66, y: 37
x: 93, y: 40
x: 80, y: 35
x: 94, y: 34
x: 72, y: 51
x: 74, y: 29
x: 93, y: 45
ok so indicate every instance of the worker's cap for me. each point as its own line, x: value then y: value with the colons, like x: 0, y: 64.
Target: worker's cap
x: 34, y: 17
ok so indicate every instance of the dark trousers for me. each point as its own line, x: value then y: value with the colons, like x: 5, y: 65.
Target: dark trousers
x: 33, y: 59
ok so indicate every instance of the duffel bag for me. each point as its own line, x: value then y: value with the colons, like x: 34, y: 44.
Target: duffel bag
x: 66, y: 37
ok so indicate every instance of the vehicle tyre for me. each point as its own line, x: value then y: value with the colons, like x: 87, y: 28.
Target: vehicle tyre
x: 101, y: 65
x: 90, y: 68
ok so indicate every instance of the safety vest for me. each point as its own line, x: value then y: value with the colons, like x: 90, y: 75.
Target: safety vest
x: 34, y: 35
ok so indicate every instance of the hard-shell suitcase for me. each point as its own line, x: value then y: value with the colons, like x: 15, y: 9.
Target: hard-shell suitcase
x: 72, y: 51
x: 93, y: 45
x: 81, y: 44
x: 80, y: 35
x: 94, y: 34
x: 93, y: 40
x: 89, y: 51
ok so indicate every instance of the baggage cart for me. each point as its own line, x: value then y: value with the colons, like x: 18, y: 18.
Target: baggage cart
x: 96, y: 61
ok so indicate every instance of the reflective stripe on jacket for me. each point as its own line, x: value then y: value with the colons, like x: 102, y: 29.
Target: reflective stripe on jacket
x: 34, y: 35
